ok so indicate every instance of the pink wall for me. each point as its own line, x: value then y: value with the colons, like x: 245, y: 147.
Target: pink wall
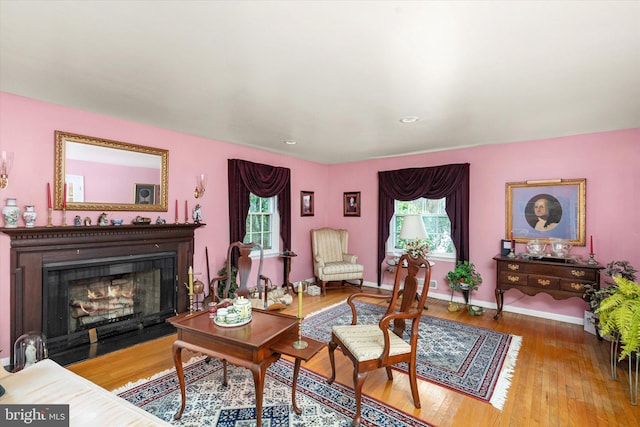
x: 608, y: 160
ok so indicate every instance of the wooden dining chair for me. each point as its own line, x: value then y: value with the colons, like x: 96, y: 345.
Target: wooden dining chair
x: 382, y: 345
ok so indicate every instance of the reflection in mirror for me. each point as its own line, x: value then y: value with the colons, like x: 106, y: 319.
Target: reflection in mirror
x: 108, y: 175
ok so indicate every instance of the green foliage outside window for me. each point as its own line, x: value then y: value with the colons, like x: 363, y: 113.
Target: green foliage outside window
x: 259, y: 221
x: 436, y: 223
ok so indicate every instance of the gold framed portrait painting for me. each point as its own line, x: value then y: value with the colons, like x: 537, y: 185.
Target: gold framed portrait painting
x: 546, y: 209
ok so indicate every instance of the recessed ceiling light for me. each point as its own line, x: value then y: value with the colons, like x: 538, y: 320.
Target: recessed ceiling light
x: 409, y: 119
x: 290, y: 142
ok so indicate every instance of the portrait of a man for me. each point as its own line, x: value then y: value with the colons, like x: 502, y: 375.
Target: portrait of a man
x: 351, y: 206
x: 351, y: 203
x: 306, y: 203
x: 543, y: 212
x: 546, y: 209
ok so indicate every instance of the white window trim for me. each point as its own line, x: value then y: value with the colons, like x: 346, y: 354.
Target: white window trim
x: 275, y: 235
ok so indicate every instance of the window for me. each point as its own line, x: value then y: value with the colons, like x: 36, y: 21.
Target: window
x: 436, y: 223
x: 263, y: 223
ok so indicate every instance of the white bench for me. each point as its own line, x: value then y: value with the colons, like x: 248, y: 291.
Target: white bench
x: 47, y: 382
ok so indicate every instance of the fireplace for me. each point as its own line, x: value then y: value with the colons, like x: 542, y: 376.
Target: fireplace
x: 96, y: 299
x: 95, y: 289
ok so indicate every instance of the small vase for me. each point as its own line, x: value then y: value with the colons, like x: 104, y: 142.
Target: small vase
x: 464, y: 288
x: 11, y: 212
x: 29, y: 216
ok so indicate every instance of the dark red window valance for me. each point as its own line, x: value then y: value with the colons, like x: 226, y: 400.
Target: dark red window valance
x: 264, y: 181
x: 450, y: 181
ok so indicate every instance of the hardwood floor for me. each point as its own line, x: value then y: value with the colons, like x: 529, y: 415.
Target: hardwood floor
x: 562, y: 376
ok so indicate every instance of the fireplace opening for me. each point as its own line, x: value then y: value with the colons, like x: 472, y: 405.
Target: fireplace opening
x: 110, y: 302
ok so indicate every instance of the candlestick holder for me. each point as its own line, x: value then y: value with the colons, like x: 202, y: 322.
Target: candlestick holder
x: 190, y: 293
x: 592, y: 259
x: 49, y: 223
x: 64, y: 217
x: 300, y: 344
x: 511, y: 254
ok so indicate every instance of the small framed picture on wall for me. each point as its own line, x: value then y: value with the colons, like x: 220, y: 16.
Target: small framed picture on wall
x: 145, y: 194
x: 351, y: 204
x: 306, y: 203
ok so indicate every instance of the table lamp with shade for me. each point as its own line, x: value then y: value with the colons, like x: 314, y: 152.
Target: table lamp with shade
x: 413, y: 232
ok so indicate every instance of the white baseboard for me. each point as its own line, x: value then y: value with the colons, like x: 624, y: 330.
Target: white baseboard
x: 493, y: 306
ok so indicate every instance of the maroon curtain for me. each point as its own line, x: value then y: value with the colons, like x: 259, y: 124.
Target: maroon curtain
x: 450, y: 181
x: 264, y: 181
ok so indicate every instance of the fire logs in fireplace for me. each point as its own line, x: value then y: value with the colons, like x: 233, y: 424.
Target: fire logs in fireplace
x: 104, y: 301
x: 89, y: 301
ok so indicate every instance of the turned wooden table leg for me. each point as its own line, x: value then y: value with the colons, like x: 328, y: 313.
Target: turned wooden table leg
x: 296, y: 371
x: 177, y: 360
x: 259, y: 372
x: 499, y: 302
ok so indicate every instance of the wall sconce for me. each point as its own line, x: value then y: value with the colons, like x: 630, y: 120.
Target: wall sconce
x: 5, y: 168
x: 201, y: 183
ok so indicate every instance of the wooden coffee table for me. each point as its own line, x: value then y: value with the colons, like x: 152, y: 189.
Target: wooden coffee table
x: 254, y: 346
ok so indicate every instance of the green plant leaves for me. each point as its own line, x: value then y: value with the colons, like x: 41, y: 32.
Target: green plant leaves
x: 464, y: 272
x: 620, y: 314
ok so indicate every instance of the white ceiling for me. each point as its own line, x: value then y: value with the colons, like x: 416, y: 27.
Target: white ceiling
x: 335, y: 76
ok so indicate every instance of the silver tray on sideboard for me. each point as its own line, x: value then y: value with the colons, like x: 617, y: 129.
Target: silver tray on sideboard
x: 549, y: 258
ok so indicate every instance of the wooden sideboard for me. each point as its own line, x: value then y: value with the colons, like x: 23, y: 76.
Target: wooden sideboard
x: 561, y: 280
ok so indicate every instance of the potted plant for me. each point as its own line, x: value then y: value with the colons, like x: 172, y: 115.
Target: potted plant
x: 464, y: 278
x: 222, y: 281
x: 619, y: 314
x: 594, y: 297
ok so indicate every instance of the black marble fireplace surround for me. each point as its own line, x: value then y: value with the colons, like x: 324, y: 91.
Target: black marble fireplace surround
x: 92, y: 290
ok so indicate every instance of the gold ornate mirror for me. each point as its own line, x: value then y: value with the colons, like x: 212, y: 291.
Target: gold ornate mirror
x: 105, y: 175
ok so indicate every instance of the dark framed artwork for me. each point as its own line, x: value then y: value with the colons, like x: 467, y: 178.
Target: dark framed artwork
x: 505, y: 247
x: 544, y: 210
x: 307, y: 203
x: 351, y: 203
x: 145, y: 194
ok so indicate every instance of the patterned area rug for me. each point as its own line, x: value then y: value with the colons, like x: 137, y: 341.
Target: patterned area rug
x: 475, y: 361
x: 211, y: 404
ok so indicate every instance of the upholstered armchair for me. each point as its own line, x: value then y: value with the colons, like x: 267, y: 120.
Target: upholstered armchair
x: 331, y: 260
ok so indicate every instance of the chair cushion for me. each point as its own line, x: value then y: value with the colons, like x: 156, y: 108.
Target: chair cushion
x: 366, y: 342
x: 341, y: 267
